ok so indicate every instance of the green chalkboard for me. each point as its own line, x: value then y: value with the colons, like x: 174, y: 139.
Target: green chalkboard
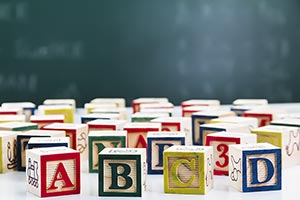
x: 178, y: 49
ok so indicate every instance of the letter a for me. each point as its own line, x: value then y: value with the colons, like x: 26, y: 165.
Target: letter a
x: 61, y: 175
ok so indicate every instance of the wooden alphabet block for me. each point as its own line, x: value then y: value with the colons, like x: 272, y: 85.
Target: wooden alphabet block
x: 103, y: 124
x: 200, y: 102
x: 93, y: 116
x: 119, y: 102
x: 157, y: 143
x: 11, y: 111
x: 69, y: 102
x: 146, y: 117
x: 137, y: 133
x: 42, y: 142
x: 12, y: 118
x: 250, y: 121
x: 177, y: 124
x: 239, y: 110
x: 44, y: 120
x: 8, y: 151
x: 122, y: 172
x: 53, y: 171
x: 206, y: 129
x: 157, y: 108
x: 264, y: 115
x: 188, y: 169
x: 123, y: 112
x: 18, y: 126
x: 66, y: 110
x: 168, y: 111
x: 189, y: 110
x: 28, y: 108
x: 220, y: 141
x: 22, y: 143
x: 137, y: 102
x: 89, y: 107
x: 98, y: 140
x: 285, y: 137
x: 205, y: 117
x: 255, y: 167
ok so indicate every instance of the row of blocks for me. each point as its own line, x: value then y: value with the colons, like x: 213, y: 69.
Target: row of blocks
x: 122, y: 171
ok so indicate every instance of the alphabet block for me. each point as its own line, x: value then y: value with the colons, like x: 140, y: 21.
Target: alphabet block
x: 157, y: 108
x: 264, y: 115
x: 250, y: 121
x: 157, y: 143
x: 103, y: 124
x: 22, y: 143
x: 28, y: 108
x: 255, y: 167
x: 239, y: 110
x: 123, y: 112
x: 188, y: 169
x: 93, y: 116
x: 69, y: 102
x: 146, y: 117
x: 250, y: 102
x: 189, y: 110
x: 285, y: 137
x: 205, y: 117
x: 53, y: 171
x: 11, y: 111
x: 98, y: 140
x: 18, y: 126
x: 137, y: 102
x: 42, y: 142
x: 137, y: 133
x: 200, y: 102
x: 66, y: 110
x: 206, y: 129
x: 44, y: 120
x: 119, y: 102
x: 12, y: 118
x: 8, y: 151
x: 176, y: 124
x: 220, y: 141
x: 122, y: 172
x: 89, y: 107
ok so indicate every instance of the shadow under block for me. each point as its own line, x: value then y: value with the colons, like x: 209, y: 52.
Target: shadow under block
x: 285, y: 137
x: 137, y: 133
x: 206, y: 129
x: 122, y: 172
x: 220, y: 142
x: 255, y: 167
x: 66, y: 110
x: 8, y: 151
x: 176, y: 124
x: 53, y: 171
x: 23, y: 139
x: 42, y: 142
x: 98, y: 140
x: 205, y: 117
x: 103, y: 124
x: 44, y: 120
x: 157, y: 142
x: 188, y: 169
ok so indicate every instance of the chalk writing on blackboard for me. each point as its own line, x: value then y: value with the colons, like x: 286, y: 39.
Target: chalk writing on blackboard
x: 19, y: 82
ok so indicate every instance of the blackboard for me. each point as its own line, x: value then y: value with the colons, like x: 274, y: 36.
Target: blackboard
x: 179, y: 49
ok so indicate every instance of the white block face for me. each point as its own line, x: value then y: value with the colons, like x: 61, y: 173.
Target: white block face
x: 291, y: 147
x: 33, y: 173
x: 235, y: 168
x: 209, y: 170
x: 9, y: 151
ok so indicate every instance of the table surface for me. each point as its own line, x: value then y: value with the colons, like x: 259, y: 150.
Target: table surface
x: 12, y: 184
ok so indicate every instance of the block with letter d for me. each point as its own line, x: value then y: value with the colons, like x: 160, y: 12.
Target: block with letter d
x: 255, y: 167
x: 53, y: 171
x: 98, y: 140
x: 188, y: 169
x: 157, y: 143
x: 122, y: 172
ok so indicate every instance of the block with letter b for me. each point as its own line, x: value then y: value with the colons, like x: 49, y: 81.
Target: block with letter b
x: 122, y: 172
x: 188, y: 169
x: 255, y: 167
x: 98, y: 140
x: 157, y: 143
x: 220, y: 141
x: 53, y: 171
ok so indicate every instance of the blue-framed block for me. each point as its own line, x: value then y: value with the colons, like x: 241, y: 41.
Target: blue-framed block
x: 275, y: 170
x: 197, y: 120
x: 168, y: 141
x: 201, y: 133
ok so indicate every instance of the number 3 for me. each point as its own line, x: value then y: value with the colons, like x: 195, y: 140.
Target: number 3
x: 223, y: 148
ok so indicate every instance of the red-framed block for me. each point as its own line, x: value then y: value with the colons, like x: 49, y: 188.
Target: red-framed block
x: 200, y: 102
x: 28, y: 108
x: 103, y: 124
x: 144, y: 100
x: 137, y: 133
x: 264, y: 115
x: 44, y: 120
x: 53, y: 171
x: 220, y: 142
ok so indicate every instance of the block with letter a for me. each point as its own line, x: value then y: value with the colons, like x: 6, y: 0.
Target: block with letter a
x: 53, y: 171
x: 255, y: 167
x: 122, y: 172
